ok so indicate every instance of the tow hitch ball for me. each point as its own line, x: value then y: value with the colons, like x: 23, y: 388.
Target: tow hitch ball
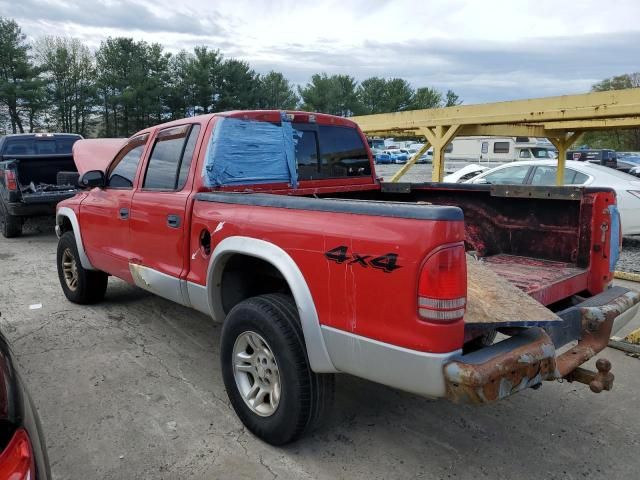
x: 597, y: 381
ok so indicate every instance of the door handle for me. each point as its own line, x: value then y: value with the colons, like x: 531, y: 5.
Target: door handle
x: 124, y: 214
x: 173, y: 221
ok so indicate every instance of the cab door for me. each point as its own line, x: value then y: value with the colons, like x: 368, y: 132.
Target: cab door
x: 105, y: 212
x: 159, y: 221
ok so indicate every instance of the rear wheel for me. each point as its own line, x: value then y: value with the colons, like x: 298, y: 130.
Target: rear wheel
x: 10, y: 224
x: 78, y: 284
x: 266, y: 370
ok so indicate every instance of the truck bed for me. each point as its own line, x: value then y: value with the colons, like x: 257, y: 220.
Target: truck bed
x: 538, y: 239
x: 545, y: 280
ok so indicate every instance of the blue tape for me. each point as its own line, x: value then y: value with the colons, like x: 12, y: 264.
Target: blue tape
x: 249, y: 152
x: 614, y: 237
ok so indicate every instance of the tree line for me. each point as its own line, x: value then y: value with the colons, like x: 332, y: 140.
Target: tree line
x: 58, y: 84
x: 621, y: 140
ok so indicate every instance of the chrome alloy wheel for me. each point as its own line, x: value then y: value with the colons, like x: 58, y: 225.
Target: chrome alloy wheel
x: 256, y: 373
x: 70, y: 269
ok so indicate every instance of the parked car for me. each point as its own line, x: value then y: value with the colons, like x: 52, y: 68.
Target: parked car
x: 214, y: 212
x: 539, y: 173
x: 602, y: 156
x: 395, y: 155
x: 628, y: 162
x: 426, y: 157
x: 382, y: 158
x: 465, y: 173
x: 36, y: 172
x: 628, y: 165
x: 23, y: 453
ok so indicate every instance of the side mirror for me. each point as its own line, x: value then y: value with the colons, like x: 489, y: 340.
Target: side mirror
x: 93, y: 178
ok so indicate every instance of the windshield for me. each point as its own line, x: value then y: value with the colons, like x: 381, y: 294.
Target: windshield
x: 540, y: 153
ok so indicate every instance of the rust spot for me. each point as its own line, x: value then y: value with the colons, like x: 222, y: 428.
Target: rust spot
x: 503, y: 374
x: 497, y: 372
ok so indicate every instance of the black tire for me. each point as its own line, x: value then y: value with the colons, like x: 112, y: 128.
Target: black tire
x: 67, y: 178
x: 10, y: 224
x: 90, y: 285
x: 305, y: 396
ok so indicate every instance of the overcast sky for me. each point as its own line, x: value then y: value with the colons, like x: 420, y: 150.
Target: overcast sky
x: 485, y: 50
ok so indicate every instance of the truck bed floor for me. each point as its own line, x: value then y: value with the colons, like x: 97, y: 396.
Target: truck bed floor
x: 545, y: 280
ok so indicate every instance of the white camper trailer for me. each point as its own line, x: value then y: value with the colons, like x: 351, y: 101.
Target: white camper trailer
x: 498, y: 150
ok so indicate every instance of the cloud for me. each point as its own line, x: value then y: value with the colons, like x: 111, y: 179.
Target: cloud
x: 485, y: 51
x: 119, y: 14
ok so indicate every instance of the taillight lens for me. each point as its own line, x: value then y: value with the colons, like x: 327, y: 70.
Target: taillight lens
x: 10, y: 177
x: 16, y: 462
x: 442, y: 290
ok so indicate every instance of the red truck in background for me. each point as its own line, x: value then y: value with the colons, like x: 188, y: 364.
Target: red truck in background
x: 275, y: 224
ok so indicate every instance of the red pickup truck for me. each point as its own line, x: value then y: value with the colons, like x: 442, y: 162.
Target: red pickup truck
x: 275, y: 224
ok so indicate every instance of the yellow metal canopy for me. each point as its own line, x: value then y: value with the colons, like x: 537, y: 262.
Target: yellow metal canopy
x: 560, y: 119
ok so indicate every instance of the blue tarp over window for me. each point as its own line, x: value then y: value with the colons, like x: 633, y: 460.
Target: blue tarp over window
x: 249, y: 151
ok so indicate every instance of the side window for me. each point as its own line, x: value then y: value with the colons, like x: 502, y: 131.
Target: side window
x: 501, y: 147
x: 306, y: 154
x: 187, y: 157
x: 123, y: 169
x: 525, y: 154
x: 508, y: 176
x: 485, y: 147
x: 171, y: 158
x: 342, y: 153
x: 546, y: 175
x: 579, y: 178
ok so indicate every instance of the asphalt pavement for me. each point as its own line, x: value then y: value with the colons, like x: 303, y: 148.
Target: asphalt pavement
x: 131, y: 388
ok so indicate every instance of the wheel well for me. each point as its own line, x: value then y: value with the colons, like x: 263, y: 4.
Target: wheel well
x: 245, y: 276
x: 65, y: 225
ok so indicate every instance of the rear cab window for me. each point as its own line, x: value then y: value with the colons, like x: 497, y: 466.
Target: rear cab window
x: 245, y: 151
x: 330, y: 152
x: 49, y: 145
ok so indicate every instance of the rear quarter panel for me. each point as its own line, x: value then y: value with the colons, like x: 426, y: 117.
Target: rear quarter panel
x: 350, y: 295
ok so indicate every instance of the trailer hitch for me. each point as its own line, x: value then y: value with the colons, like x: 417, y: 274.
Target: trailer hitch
x: 597, y: 381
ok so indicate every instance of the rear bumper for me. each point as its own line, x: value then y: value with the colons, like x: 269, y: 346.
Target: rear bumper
x: 526, y: 359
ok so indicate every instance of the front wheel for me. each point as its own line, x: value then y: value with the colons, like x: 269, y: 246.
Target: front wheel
x: 78, y: 284
x: 266, y: 370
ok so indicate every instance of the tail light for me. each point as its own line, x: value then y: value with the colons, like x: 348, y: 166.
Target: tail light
x: 17, y: 462
x: 442, y: 289
x: 10, y: 179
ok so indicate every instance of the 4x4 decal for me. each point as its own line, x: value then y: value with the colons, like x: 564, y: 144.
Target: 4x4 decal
x: 388, y: 263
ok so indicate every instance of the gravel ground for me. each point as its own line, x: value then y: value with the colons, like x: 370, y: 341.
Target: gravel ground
x: 131, y: 388
x: 417, y: 173
x: 630, y: 257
